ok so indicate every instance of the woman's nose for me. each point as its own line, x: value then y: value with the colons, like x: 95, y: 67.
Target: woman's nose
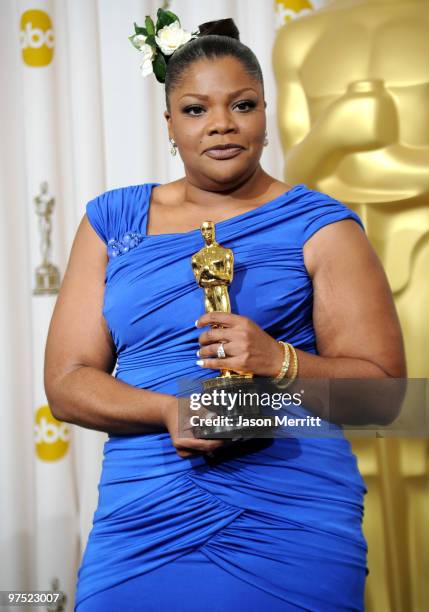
x: 222, y: 122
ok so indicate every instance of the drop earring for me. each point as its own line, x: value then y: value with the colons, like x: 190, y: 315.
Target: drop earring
x: 266, y: 141
x: 173, y: 148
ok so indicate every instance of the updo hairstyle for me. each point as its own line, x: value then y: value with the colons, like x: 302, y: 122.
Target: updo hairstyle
x: 217, y: 39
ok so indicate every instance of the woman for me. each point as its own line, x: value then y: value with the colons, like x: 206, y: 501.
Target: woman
x: 274, y: 523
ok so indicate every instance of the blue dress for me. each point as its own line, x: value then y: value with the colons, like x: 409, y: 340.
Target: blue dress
x: 277, y: 527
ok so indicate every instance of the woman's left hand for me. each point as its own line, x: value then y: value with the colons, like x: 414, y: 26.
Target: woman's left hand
x: 248, y: 348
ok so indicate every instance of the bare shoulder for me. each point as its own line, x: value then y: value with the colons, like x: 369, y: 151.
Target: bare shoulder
x: 281, y: 184
x: 339, y: 244
x: 278, y: 188
x: 167, y: 194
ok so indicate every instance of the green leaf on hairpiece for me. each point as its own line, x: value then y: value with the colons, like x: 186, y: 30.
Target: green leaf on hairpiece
x: 150, y: 40
x: 172, y: 17
x: 164, y: 18
x: 140, y: 30
x: 150, y: 27
x: 159, y: 66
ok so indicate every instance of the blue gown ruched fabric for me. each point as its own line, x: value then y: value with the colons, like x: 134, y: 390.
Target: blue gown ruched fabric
x: 276, y: 527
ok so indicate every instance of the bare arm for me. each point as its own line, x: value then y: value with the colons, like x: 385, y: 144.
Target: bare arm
x: 80, y: 355
x: 354, y: 316
x: 357, y: 329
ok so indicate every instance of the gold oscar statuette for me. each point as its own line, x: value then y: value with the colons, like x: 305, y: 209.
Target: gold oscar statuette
x: 47, y: 275
x: 213, y: 268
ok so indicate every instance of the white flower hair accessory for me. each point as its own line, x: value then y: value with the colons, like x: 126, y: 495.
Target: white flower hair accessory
x: 157, y: 43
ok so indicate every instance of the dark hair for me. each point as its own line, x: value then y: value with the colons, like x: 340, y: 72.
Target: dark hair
x: 219, y: 38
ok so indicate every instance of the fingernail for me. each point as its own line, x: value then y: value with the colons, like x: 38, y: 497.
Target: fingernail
x: 200, y: 362
x: 196, y: 323
x: 198, y: 353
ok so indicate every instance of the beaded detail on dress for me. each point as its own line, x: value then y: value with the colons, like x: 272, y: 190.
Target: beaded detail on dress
x: 128, y: 241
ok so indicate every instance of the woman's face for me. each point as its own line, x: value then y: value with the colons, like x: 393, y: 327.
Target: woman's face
x: 217, y: 102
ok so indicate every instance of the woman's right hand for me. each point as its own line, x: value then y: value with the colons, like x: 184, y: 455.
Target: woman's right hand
x: 188, y: 446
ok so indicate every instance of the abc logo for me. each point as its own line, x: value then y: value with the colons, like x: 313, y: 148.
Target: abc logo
x: 37, y: 38
x: 291, y: 9
x: 51, y: 436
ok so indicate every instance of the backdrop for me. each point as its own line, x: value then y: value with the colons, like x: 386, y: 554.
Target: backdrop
x: 77, y: 119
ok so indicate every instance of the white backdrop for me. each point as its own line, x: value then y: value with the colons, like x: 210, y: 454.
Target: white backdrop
x: 76, y: 113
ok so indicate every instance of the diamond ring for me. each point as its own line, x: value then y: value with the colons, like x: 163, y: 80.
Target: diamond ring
x: 221, y: 351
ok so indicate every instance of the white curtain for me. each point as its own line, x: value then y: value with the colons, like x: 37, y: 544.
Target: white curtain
x: 75, y: 113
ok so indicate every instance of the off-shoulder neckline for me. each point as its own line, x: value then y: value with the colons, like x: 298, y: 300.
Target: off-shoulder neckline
x: 219, y: 224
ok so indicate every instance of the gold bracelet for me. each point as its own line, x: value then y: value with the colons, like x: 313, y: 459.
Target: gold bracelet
x: 286, y: 360
x: 294, y: 372
x: 294, y: 368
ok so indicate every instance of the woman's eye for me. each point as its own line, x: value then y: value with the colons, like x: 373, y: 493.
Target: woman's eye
x: 243, y: 106
x: 248, y: 103
x: 191, y: 108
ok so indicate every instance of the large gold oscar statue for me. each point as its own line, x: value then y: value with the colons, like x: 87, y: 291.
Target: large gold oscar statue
x: 353, y: 100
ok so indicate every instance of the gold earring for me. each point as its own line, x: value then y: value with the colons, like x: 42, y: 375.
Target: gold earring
x: 173, y: 148
x: 266, y: 141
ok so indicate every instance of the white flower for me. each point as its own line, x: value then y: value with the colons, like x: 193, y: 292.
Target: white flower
x: 171, y: 37
x: 146, y: 63
x: 138, y: 40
